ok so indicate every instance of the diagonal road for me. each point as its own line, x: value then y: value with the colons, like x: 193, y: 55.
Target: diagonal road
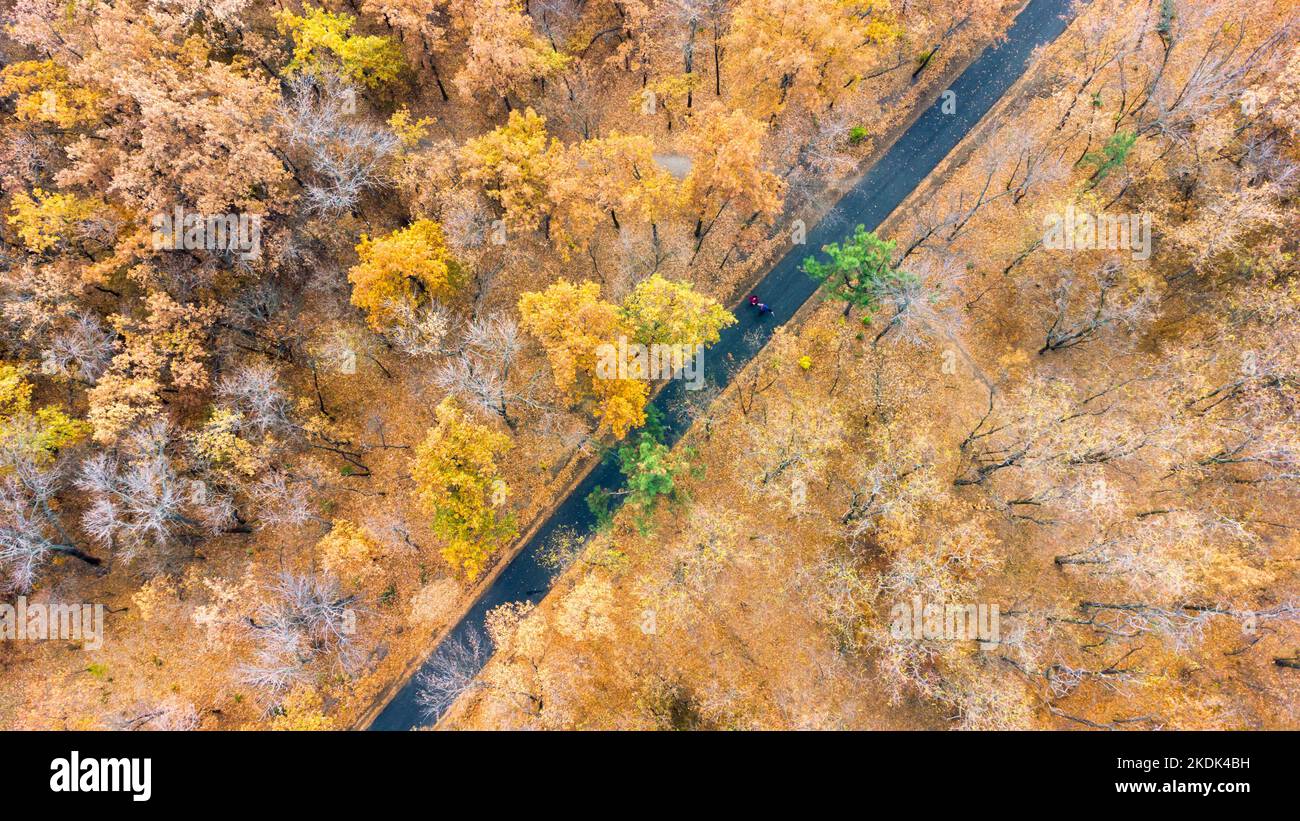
x: 786, y: 288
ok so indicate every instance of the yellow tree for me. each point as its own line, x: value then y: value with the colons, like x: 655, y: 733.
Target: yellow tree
x: 571, y: 322
x: 458, y: 481
x: 43, y: 219
x: 660, y: 311
x: 402, y: 270
x: 165, y: 349
x: 321, y: 41
x: 47, y: 95
x: 348, y: 551
x: 726, y: 151
x: 34, y: 434
x: 809, y: 52
x: 672, y: 93
x: 502, y: 51
x: 514, y: 163
x: 303, y: 709
x: 620, y: 404
x: 606, y: 177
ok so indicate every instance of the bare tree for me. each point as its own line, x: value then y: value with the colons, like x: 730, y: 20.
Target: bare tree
x: 347, y: 156
x: 451, y: 672
x: 284, y: 500
x: 82, y: 350
x: 140, y: 505
x: 31, y: 531
x: 306, y: 626
x: 254, y: 392
x: 873, y: 496
x: 420, y: 331
x: 482, y: 372
x: 170, y: 715
x: 1109, y: 308
x: 919, y: 311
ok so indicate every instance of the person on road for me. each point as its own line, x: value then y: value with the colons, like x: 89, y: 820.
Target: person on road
x: 763, y: 307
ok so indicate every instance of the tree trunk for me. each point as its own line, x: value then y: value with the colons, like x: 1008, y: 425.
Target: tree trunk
x: 72, y: 550
x: 437, y: 78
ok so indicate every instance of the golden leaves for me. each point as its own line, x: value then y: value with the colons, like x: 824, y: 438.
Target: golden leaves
x: 405, y: 268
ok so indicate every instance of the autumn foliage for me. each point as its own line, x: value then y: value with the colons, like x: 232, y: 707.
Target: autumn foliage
x: 285, y: 456
x: 459, y: 483
x: 408, y: 267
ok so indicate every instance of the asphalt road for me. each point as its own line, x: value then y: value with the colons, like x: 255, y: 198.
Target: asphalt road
x: 785, y: 287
